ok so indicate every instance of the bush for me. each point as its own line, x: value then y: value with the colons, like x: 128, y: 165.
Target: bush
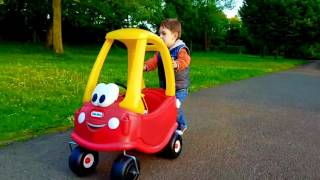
x: 305, y: 51
x: 313, y: 51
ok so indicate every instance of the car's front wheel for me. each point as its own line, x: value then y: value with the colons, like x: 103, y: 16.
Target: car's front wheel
x: 83, y: 162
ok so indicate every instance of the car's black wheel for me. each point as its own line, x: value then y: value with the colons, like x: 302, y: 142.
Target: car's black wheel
x: 125, y: 168
x: 83, y: 162
x: 174, y: 147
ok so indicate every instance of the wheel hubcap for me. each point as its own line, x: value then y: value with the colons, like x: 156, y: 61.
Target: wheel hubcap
x: 88, y: 160
x: 177, y: 146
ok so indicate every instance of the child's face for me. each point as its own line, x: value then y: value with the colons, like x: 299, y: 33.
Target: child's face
x: 168, y: 36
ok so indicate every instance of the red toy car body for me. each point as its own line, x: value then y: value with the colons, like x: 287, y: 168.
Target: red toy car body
x: 143, y: 119
x: 147, y: 133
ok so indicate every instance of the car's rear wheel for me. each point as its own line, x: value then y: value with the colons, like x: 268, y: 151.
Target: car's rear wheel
x: 125, y: 168
x: 174, y: 147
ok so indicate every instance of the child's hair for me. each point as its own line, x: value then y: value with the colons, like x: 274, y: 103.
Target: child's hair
x: 173, y: 25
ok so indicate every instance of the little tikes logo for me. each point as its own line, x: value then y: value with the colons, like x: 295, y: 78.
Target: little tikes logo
x: 96, y: 114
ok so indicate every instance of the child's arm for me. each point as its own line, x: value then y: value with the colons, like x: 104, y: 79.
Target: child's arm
x: 183, y: 60
x: 152, y: 63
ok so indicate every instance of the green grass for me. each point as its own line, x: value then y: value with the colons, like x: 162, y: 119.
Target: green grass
x: 211, y: 69
x: 39, y: 91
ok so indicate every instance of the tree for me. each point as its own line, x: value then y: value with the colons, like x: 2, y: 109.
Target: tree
x: 185, y: 12
x: 29, y: 17
x: 234, y: 30
x: 96, y: 17
x: 253, y: 16
x: 203, y: 23
x: 288, y: 26
x: 212, y: 23
x: 303, y: 29
x: 57, y: 31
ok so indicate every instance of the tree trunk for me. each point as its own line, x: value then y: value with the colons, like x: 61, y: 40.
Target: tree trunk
x: 49, y: 43
x: 35, y: 37
x: 206, y: 46
x: 276, y: 53
x: 57, y: 34
x: 263, y: 50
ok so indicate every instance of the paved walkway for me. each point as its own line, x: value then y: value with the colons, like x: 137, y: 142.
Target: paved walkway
x: 266, y: 127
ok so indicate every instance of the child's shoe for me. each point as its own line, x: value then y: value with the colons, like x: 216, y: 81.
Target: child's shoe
x: 181, y: 130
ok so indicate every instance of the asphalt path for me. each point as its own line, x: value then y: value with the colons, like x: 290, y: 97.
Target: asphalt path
x: 267, y: 127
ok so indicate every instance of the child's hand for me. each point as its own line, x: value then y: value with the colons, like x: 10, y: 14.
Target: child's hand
x: 145, y: 68
x: 175, y: 65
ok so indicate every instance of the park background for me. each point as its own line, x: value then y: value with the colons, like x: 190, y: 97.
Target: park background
x: 47, y: 49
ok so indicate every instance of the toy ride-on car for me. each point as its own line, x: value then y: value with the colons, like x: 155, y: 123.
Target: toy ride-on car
x: 141, y: 119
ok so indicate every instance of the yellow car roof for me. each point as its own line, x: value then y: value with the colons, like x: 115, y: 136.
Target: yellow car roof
x: 137, y: 42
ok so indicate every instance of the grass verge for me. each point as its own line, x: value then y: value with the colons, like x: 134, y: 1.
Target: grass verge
x: 40, y: 90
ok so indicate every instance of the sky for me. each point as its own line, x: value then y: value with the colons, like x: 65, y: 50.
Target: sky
x: 234, y: 11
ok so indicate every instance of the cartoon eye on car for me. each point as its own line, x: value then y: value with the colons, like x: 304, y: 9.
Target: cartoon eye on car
x: 141, y: 119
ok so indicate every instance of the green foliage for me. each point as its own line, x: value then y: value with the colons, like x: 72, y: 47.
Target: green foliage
x: 290, y: 28
x: 91, y: 17
x: 234, y: 34
x: 204, y: 24
x: 29, y: 17
x: 40, y: 90
x: 286, y: 26
x: 111, y: 14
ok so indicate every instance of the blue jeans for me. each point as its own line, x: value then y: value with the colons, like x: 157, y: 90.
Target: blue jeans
x: 181, y: 94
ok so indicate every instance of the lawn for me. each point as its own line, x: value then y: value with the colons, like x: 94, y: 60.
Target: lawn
x: 39, y: 91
